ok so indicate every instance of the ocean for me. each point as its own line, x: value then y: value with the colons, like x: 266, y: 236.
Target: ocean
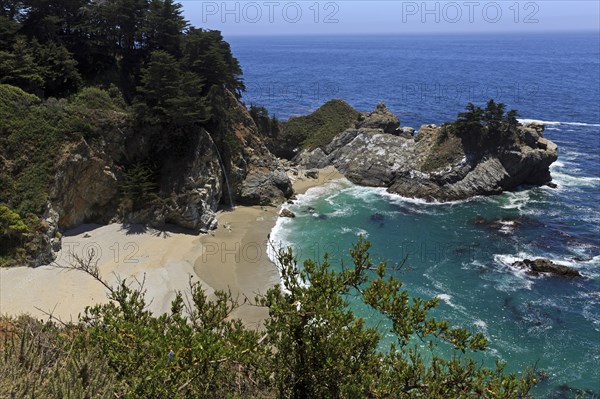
x: 461, y: 252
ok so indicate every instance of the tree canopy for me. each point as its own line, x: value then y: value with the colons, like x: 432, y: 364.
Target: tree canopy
x: 52, y: 48
x: 485, y: 127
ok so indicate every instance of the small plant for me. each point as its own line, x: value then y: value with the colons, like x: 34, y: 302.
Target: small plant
x: 139, y: 188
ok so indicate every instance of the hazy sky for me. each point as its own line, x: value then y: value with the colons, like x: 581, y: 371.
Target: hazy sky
x: 272, y: 17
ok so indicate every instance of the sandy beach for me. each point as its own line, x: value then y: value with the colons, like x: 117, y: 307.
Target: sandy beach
x: 233, y: 257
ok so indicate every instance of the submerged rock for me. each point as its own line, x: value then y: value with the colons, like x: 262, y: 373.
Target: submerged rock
x: 539, y: 266
x: 377, y: 217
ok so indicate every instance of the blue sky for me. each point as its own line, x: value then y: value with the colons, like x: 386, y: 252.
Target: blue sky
x: 273, y: 17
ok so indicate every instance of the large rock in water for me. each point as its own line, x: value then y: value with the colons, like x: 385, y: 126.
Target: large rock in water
x: 437, y: 166
x: 542, y: 266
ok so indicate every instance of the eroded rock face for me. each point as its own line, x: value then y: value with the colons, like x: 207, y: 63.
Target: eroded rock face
x: 85, y: 187
x: 196, y: 189
x: 436, y: 167
x: 257, y: 177
x: 545, y: 266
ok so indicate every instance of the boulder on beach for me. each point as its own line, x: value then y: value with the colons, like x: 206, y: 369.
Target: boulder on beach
x: 312, y: 174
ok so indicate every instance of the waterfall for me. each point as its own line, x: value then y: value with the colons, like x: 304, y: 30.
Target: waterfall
x: 222, y: 168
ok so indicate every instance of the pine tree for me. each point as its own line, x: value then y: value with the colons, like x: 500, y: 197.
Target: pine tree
x: 209, y: 56
x: 164, y: 27
x: 19, y: 68
x: 57, y: 68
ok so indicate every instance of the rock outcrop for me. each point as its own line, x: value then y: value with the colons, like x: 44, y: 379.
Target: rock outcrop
x: 380, y: 118
x: 286, y: 213
x: 85, y: 187
x: 545, y: 266
x: 435, y: 165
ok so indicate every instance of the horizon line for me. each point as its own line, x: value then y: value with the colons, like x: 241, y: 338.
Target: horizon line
x: 445, y: 33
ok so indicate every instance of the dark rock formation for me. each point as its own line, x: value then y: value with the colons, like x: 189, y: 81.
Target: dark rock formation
x: 312, y: 173
x: 286, y: 213
x: 265, y: 187
x: 543, y: 266
x: 406, y: 132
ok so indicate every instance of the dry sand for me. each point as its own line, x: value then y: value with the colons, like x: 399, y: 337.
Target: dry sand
x: 231, y: 258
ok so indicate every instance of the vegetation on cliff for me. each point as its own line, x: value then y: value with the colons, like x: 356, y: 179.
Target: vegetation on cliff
x: 313, y: 345
x: 72, y: 71
x: 477, y: 131
x: 33, y: 133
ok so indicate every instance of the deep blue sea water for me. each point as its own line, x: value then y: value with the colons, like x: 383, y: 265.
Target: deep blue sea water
x: 546, y: 321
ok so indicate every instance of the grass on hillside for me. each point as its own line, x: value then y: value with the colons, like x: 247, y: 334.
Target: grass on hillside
x: 320, y: 127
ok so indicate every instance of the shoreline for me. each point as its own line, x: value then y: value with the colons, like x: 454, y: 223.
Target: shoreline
x: 232, y: 257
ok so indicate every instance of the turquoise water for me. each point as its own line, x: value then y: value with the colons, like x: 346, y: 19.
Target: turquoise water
x: 552, y: 322
x: 554, y: 78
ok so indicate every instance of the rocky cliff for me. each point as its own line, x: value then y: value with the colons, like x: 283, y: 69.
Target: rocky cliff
x: 436, y: 164
x: 228, y: 166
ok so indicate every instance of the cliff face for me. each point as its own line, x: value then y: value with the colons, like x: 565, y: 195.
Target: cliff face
x: 89, y: 179
x: 256, y: 176
x: 435, y: 165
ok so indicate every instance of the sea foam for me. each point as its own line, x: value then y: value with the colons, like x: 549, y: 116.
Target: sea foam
x: 556, y: 123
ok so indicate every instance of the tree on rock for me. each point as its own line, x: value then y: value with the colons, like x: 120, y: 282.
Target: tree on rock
x: 169, y: 100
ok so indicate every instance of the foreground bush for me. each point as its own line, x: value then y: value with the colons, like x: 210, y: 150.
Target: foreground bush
x: 40, y: 361
x: 313, y: 345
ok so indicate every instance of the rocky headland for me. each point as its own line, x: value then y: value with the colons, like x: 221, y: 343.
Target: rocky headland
x: 435, y: 163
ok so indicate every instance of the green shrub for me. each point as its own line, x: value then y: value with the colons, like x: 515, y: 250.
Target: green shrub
x: 196, y: 353
x: 95, y: 98
x: 11, y: 224
x: 14, y: 101
x: 323, y: 350
x: 313, y: 345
